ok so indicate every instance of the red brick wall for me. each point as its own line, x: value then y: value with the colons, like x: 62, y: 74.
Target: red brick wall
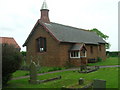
x: 102, y: 53
x: 96, y: 52
x: 64, y: 54
x: 49, y: 58
x: 57, y: 53
x: 75, y: 61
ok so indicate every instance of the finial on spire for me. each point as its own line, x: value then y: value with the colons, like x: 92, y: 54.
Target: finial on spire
x: 44, y: 13
x: 44, y: 5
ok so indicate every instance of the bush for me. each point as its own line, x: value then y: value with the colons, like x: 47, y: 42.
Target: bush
x: 11, y: 61
x: 23, y: 53
x: 24, y: 58
x: 99, y: 59
x: 112, y: 54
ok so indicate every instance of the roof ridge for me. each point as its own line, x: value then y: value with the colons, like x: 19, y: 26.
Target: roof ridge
x: 9, y: 40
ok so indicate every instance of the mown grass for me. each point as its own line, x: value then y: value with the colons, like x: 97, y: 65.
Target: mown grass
x: 108, y: 61
x: 20, y: 73
x: 70, y: 78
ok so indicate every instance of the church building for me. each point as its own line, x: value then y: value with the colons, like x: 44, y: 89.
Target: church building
x: 53, y: 44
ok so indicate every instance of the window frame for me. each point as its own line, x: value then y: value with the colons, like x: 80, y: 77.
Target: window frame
x: 76, y: 54
x: 41, y: 44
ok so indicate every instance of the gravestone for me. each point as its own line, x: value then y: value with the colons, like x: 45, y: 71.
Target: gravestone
x: 83, y: 67
x: 99, y: 84
x: 33, y: 73
x: 81, y: 81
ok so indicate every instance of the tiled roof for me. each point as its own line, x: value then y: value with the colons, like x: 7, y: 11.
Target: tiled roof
x: 76, y: 47
x: 69, y: 34
x: 9, y: 40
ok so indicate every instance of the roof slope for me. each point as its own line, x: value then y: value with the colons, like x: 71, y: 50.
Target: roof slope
x: 9, y: 40
x: 77, y: 47
x: 69, y: 34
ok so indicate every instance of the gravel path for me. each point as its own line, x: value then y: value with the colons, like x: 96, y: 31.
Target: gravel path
x: 62, y: 71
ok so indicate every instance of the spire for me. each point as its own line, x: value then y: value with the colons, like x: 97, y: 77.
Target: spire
x: 44, y: 12
x: 44, y: 5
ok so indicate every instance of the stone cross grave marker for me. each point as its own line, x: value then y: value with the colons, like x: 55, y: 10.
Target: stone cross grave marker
x: 99, y: 84
x: 33, y: 73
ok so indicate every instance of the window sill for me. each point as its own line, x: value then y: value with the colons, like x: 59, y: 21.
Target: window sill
x: 83, y: 57
x: 74, y: 57
x: 78, y: 57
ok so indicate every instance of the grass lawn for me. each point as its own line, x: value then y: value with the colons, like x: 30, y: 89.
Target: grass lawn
x: 108, y: 61
x: 70, y: 78
x: 20, y: 73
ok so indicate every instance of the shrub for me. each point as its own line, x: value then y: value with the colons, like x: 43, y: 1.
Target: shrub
x: 27, y: 74
x: 99, y: 59
x: 11, y: 61
x: 24, y: 58
x: 113, y: 54
x: 23, y: 53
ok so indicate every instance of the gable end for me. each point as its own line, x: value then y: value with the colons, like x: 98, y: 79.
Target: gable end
x: 46, y: 29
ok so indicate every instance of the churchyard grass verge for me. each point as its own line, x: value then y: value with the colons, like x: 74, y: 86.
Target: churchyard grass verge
x: 108, y: 61
x: 20, y: 73
x: 70, y: 78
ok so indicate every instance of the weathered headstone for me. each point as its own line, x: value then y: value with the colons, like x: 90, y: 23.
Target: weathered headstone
x: 81, y: 81
x: 33, y: 73
x: 83, y: 67
x: 99, y: 84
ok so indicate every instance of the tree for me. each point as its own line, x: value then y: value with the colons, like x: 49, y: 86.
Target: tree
x: 24, y: 57
x: 11, y: 61
x: 100, y: 34
x: 23, y: 53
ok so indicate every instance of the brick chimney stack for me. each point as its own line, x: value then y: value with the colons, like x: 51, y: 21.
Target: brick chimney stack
x: 44, y: 13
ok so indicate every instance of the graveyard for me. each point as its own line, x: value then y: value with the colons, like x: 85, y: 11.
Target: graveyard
x: 108, y: 61
x: 68, y: 78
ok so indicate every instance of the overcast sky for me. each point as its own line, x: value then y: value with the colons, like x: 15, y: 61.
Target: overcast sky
x: 17, y: 17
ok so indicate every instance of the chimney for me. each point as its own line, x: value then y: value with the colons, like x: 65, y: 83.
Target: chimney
x: 44, y: 13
